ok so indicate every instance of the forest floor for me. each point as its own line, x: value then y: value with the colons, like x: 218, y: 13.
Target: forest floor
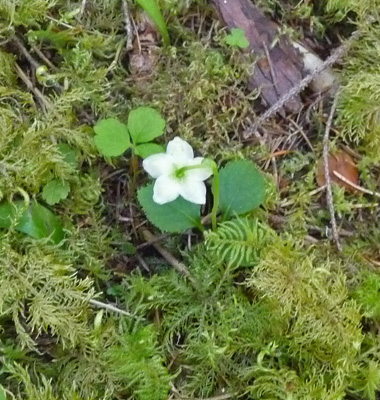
x: 104, y: 295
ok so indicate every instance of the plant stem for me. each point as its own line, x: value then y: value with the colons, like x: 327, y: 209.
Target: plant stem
x: 215, y: 192
x: 134, y: 167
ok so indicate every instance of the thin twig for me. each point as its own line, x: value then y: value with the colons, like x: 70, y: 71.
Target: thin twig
x: 177, y: 265
x: 43, y: 57
x: 109, y: 307
x: 142, y: 262
x: 158, y: 238
x: 221, y: 397
x: 44, y: 102
x: 329, y: 195
x: 35, y: 64
x: 332, y: 59
x: 82, y: 8
x: 312, y: 193
x: 303, y: 133
x: 127, y: 25
x: 354, y: 185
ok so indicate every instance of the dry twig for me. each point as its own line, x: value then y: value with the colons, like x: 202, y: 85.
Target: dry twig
x: 332, y: 59
x: 329, y: 196
x: 82, y: 8
x: 177, y: 265
x: 127, y: 25
x: 109, y: 307
x: 221, y: 397
x: 44, y: 102
x: 354, y: 185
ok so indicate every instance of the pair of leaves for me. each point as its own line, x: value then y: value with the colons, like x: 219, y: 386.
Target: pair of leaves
x: 34, y: 220
x: 242, y: 189
x: 113, y: 137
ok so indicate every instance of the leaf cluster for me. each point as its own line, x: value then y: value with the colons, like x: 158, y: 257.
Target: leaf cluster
x: 113, y: 138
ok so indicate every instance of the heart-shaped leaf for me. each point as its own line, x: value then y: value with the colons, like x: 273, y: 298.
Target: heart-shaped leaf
x: 112, y: 137
x: 242, y: 188
x: 176, y: 216
x: 145, y: 124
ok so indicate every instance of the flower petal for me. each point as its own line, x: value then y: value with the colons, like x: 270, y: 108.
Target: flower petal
x: 193, y: 191
x: 198, y: 174
x: 165, y: 190
x: 158, y: 164
x: 180, y: 150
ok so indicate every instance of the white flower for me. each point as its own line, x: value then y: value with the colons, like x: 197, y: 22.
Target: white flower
x: 172, y: 177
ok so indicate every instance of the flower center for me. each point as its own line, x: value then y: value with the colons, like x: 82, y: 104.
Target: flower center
x: 179, y: 173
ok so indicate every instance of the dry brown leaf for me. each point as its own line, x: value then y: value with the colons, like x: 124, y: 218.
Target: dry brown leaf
x: 342, y: 163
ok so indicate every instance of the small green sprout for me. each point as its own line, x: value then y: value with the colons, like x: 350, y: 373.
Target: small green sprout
x: 237, y: 38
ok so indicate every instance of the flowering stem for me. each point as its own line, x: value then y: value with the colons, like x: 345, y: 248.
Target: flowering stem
x: 215, y: 192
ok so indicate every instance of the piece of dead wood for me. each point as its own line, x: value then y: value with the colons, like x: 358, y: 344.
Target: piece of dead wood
x: 336, y: 55
x: 143, y: 55
x: 279, y: 67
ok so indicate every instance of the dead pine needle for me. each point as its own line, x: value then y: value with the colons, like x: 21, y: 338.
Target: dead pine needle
x: 355, y: 186
x: 109, y: 307
x: 329, y: 196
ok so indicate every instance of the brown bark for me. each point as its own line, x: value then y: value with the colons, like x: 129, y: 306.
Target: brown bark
x: 278, y: 65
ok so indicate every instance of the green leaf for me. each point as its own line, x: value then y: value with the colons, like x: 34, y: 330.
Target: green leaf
x: 35, y: 220
x: 112, y: 137
x: 128, y: 248
x: 55, y: 191
x: 153, y: 10
x: 176, y: 216
x: 242, y: 188
x: 69, y: 154
x: 237, y: 38
x: 115, y: 290
x: 2, y: 394
x: 145, y: 124
x: 147, y: 149
x: 57, y: 39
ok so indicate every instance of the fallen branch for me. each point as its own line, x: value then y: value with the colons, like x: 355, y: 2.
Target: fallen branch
x: 332, y: 59
x: 329, y: 195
